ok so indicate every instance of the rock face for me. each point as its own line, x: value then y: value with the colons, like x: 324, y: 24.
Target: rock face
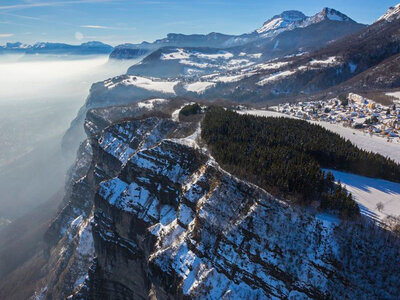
x: 151, y: 215
x: 127, y: 51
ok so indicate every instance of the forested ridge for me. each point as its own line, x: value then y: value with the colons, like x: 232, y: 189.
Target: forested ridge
x: 285, y: 156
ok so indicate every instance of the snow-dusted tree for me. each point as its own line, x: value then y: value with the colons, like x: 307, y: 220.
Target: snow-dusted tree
x: 380, y: 206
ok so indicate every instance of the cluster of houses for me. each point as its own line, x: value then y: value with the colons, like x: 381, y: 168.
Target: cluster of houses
x: 355, y: 111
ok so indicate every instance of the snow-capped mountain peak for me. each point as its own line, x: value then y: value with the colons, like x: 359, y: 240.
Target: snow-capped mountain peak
x: 289, y: 20
x: 332, y: 14
x: 39, y: 45
x: 393, y: 13
x: 282, y: 21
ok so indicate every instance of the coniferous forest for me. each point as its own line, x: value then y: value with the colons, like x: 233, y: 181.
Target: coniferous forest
x: 285, y: 156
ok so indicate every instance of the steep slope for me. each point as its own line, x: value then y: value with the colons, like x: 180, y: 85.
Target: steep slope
x: 392, y: 13
x: 151, y: 214
x: 128, y: 51
x: 383, y: 76
x: 279, y: 23
x: 68, y: 252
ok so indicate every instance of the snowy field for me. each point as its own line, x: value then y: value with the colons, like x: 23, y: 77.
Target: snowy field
x: 368, y: 192
x: 362, y: 140
x: 394, y: 94
x: 150, y: 84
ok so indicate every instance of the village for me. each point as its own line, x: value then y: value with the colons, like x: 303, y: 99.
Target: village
x: 353, y: 111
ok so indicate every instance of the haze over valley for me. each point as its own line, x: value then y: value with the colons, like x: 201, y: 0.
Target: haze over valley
x: 40, y: 96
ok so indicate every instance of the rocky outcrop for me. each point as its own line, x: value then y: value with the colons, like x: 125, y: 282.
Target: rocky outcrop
x: 167, y: 222
x: 69, y: 241
x: 128, y: 51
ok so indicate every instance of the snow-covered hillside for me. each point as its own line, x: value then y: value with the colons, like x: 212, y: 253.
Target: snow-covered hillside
x: 369, y: 192
x: 279, y: 23
x: 193, y: 62
x: 151, y: 84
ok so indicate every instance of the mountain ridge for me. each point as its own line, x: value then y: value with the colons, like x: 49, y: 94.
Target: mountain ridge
x: 271, y: 28
x: 289, y: 20
x: 91, y: 47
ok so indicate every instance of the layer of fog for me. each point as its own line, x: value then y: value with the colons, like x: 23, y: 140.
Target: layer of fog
x: 39, y: 97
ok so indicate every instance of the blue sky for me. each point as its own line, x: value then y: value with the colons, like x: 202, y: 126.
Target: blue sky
x: 120, y: 21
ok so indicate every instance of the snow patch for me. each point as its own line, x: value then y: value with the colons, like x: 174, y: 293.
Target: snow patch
x: 179, y: 54
x: 221, y: 54
x: 227, y: 79
x: 150, y: 84
x: 149, y: 104
x: 112, y: 189
x: 185, y: 55
x: 327, y: 61
x: 394, y: 94
x: 272, y: 66
x: 199, y: 87
x: 275, y: 77
x: 368, y: 192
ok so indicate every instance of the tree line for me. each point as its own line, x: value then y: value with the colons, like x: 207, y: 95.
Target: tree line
x: 285, y: 156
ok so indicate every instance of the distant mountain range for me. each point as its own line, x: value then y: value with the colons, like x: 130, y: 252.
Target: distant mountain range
x: 57, y: 48
x: 268, y: 39
x: 366, y: 60
x: 277, y: 36
x: 294, y: 57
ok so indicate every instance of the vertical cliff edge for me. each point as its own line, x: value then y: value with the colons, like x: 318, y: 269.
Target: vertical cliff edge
x: 149, y: 214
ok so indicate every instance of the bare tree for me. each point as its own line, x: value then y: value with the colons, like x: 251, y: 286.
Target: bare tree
x: 393, y: 224
x: 380, y: 206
